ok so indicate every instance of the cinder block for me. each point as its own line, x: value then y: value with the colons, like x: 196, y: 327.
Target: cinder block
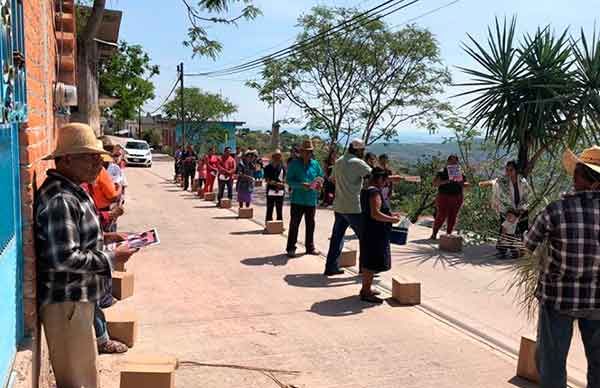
x: 148, y: 372
x: 451, y: 243
x: 406, y: 293
x: 225, y: 203
x: 209, y: 197
x: 274, y: 227
x: 122, y: 284
x: 246, y: 212
x: 258, y: 183
x: 347, y: 259
x: 526, y: 366
x: 122, y: 325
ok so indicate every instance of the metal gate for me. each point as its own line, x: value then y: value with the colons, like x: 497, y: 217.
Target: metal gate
x: 12, y: 113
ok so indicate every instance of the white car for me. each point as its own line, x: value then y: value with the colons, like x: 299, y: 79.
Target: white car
x: 138, y: 153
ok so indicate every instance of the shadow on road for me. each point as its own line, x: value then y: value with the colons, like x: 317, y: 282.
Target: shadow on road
x: 521, y: 383
x: 350, y: 305
x: 225, y: 217
x: 275, y: 260
x: 313, y: 280
x: 248, y: 232
x: 206, y: 207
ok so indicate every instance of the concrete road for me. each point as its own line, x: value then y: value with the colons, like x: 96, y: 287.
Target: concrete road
x: 219, y: 291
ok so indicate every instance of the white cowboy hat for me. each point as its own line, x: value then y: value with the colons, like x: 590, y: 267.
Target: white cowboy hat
x: 76, y: 138
x: 589, y: 157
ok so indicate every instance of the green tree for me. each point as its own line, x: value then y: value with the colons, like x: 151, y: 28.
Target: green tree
x: 127, y: 76
x: 367, y: 81
x: 536, y: 94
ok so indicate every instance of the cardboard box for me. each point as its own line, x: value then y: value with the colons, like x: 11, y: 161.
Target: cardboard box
x: 274, y: 227
x: 406, y: 293
x: 258, y: 183
x: 122, y: 325
x: 122, y: 284
x: 246, y: 212
x: 120, y: 266
x: 347, y: 259
x: 148, y: 372
x: 225, y: 203
x: 526, y: 366
x: 209, y: 196
x: 451, y: 243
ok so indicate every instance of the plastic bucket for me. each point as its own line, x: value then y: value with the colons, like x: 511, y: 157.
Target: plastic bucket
x: 399, y: 236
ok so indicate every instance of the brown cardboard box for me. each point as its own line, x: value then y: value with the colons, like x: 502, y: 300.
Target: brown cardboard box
x: 451, y: 243
x: 258, y: 183
x: 246, y: 212
x: 120, y: 266
x: 122, y: 325
x: 209, y: 196
x: 526, y: 366
x: 347, y: 259
x: 148, y: 372
x: 405, y: 293
x: 274, y: 227
x: 225, y: 203
x: 122, y: 284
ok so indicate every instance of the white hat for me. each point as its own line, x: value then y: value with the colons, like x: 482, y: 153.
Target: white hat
x: 358, y: 144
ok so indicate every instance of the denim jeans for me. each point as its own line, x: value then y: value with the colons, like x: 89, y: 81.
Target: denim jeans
x: 555, y: 331
x: 100, y: 325
x: 222, y: 185
x: 336, y: 243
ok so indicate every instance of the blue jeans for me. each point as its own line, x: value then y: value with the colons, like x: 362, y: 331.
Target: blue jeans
x: 336, y: 243
x: 555, y: 331
x: 100, y: 325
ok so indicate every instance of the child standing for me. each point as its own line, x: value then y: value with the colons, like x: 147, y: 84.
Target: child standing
x: 245, y: 183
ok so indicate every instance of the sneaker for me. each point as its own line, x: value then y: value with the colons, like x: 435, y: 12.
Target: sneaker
x: 291, y: 254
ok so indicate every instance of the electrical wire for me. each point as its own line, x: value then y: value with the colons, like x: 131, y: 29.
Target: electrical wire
x: 166, y: 100
x: 366, y: 17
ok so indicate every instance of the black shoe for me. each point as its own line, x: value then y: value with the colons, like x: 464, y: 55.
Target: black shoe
x: 291, y: 254
x: 371, y: 299
x: 334, y: 273
x: 313, y: 252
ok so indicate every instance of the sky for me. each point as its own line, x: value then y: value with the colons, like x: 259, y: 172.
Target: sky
x: 160, y: 27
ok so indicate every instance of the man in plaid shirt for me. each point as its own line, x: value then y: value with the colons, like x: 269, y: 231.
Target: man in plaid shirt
x: 73, y: 267
x: 569, y: 282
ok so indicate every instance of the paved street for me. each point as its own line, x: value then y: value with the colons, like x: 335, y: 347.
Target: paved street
x: 219, y: 291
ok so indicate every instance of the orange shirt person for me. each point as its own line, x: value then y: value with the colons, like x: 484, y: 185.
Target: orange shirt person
x: 105, y: 192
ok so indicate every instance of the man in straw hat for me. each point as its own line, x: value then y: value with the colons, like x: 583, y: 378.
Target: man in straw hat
x: 73, y: 265
x: 569, y: 281
x: 305, y: 179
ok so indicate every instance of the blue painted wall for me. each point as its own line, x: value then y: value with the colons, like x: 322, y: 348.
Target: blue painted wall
x: 196, y: 134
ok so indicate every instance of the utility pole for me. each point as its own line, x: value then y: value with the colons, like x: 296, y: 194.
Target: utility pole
x: 181, y: 76
x: 275, y: 142
x: 140, y: 122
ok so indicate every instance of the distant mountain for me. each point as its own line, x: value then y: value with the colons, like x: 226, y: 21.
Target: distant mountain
x: 411, y: 152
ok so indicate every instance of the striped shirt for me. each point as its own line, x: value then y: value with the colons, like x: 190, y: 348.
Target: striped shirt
x: 72, y: 263
x: 570, y: 275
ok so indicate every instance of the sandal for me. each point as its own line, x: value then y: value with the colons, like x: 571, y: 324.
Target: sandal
x: 112, y: 347
x: 371, y: 298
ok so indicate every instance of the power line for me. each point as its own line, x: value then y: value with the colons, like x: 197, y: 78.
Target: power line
x: 371, y: 15
x: 166, y: 99
x: 430, y: 12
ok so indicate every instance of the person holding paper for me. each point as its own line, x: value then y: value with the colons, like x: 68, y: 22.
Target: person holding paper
x: 275, y: 176
x: 212, y: 169
x: 303, y: 177
x: 450, y: 183
x: 245, y: 184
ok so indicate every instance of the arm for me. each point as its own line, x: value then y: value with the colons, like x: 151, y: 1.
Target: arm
x: 60, y: 222
x: 107, y: 186
x: 539, y: 232
x: 438, y: 181
x: 376, y: 214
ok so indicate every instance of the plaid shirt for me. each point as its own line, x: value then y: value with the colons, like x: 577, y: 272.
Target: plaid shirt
x: 570, y: 276
x: 72, y: 265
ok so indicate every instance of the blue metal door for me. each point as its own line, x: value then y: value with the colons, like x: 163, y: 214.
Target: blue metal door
x: 12, y: 113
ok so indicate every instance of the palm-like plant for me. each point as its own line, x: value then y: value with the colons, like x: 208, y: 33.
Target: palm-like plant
x: 535, y: 94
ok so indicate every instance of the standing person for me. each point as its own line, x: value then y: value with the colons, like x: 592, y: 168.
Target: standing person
x: 377, y: 220
x: 568, y: 288
x: 348, y: 174
x: 73, y: 265
x: 177, y: 157
x: 371, y: 159
x: 211, y: 160
x: 245, y: 182
x: 450, y: 183
x: 226, y: 170
x: 275, y: 175
x: 387, y: 191
x: 189, y: 159
x: 511, y: 195
x: 119, y: 156
x: 328, y: 193
x: 201, y: 172
x: 303, y: 177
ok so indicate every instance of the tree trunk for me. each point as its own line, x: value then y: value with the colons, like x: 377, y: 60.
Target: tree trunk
x: 523, y: 159
x: 87, y: 69
x: 275, y: 140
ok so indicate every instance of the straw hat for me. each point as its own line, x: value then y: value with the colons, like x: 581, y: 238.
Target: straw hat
x: 276, y: 152
x: 307, y: 145
x: 590, y: 157
x: 76, y: 138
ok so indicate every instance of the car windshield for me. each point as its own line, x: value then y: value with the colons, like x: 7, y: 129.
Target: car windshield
x: 137, y: 146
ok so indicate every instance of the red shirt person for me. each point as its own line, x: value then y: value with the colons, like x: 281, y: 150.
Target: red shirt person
x: 211, y: 161
x: 226, y: 171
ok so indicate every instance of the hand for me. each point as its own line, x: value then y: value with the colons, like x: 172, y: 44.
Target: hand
x: 115, y: 213
x: 395, y: 219
x: 396, y: 214
x: 114, y: 237
x: 123, y: 253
